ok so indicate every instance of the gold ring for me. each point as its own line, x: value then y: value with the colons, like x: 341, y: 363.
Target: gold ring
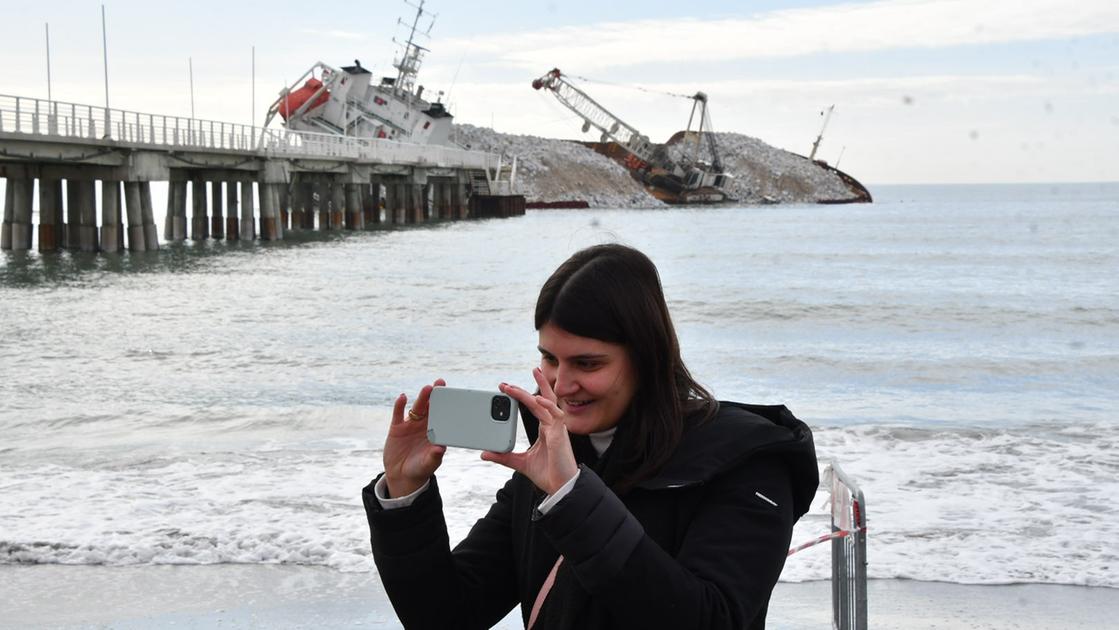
x: 413, y: 416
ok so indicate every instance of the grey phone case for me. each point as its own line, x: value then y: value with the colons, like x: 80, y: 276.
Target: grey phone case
x: 461, y: 417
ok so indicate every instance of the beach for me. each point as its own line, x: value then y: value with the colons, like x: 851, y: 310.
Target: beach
x: 187, y: 432
x: 278, y: 596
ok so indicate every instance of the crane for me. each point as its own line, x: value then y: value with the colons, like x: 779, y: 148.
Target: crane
x: 652, y: 166
x: 816, y: 144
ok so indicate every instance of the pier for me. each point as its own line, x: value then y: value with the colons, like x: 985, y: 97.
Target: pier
x: 242, y: 182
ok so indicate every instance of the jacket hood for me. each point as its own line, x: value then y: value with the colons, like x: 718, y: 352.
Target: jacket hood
x: 737, y: 432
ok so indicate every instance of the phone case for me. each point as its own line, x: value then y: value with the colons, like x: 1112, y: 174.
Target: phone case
x: 465, y: 417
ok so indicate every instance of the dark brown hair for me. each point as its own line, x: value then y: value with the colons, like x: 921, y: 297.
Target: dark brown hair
x: 613, y: 293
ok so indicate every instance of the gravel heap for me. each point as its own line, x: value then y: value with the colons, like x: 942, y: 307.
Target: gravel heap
x: 559, y: 170
x: 765, y: 174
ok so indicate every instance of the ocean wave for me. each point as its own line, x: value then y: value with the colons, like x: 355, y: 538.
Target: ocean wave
x: 965, y: 505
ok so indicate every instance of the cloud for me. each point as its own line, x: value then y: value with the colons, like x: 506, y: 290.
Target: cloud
x: 853, y: 27
x: 335, y: 33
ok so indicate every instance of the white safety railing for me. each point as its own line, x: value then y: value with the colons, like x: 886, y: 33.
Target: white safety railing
x: 55, y: 120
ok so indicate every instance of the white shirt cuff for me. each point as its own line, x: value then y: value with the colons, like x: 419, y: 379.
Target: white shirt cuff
x: 381, y: 491
x: 549, y: 502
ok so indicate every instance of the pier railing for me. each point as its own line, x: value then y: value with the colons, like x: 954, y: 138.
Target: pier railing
x: 61, y: 121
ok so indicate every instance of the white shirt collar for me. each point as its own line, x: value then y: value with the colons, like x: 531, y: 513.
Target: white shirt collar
x: 601, y: 440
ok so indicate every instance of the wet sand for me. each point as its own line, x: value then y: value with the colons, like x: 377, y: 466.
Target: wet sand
x: 271, y: 596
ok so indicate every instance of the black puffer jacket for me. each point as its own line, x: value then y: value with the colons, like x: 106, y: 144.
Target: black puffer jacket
x: 700, y: 545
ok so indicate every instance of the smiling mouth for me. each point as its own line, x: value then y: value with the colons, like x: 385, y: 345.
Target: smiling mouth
x: 576, y: 405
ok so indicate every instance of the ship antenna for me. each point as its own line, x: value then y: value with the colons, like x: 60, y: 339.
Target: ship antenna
x: 409, y: 65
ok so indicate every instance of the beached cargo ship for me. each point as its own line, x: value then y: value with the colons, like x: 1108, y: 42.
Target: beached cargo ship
x: 346, y: 101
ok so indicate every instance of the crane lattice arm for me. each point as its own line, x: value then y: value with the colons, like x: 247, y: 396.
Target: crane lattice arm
x: 595, y: 115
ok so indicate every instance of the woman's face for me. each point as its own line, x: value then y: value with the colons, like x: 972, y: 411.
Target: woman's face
x: 594, y: 380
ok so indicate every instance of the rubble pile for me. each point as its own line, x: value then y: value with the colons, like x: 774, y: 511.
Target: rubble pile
x: 765, y: 174
x: 558, y: 170
x: 552, y: 170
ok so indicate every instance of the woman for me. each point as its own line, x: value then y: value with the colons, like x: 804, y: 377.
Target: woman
x: 642, y: 501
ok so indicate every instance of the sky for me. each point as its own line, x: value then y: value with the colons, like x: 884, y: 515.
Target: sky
x: 925, y: 91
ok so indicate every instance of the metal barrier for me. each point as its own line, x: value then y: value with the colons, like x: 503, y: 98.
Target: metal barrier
x: 56, y: 120
x: 848, y: 550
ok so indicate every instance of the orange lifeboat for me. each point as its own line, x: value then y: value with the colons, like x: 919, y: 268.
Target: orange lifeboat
x: 296, y: 99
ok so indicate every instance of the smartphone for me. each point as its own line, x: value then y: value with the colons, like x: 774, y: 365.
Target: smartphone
x: 472, y: 418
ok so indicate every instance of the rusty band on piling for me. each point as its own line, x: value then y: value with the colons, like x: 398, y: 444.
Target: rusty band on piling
x: 48, y: 238
x: 269, y: 229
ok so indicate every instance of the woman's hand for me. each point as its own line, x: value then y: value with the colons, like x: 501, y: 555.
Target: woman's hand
x: 410, y: 460
x: 549, y: 462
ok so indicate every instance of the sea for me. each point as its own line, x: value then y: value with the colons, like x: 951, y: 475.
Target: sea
x: 955, y: 350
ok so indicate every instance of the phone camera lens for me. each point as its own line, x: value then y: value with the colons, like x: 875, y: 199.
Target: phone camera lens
x: 499, y: 408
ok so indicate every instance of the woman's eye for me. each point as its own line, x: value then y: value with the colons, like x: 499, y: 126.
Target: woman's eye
x: 550, y: 360
x: 587, y: 365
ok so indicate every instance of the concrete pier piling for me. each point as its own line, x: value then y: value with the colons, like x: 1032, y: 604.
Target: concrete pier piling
x: 111, y: 233
x: 371, y: 203
x: 461, y: 201
x: 449, y: 200
x: 337, y: 205
x: 15, y: 235
x: 279, y: 198
x: 354, y: 214
x: 87, y: 216
x: 390, y: 202
x: 404, y: 204
x: 217, y: 213
x: 248, y: 224
x: 437, y: 200
x: 269, y: 221
x: 418, y: 203
x: 134, y: 208
x: 9, y: 211
x: 430, y: 209
x: 147, y: 214
x: 50, y: 214
x: 175, y: 225
x: 200, y: 216
x: 232, y: 221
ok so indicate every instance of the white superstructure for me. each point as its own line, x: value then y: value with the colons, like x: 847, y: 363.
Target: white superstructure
x: 347, y: 102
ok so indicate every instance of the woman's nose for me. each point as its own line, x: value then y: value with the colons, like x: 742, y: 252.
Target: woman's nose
x: 564, y: 384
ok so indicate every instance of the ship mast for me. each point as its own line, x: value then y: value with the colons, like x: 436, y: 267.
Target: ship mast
x: 408, y: 66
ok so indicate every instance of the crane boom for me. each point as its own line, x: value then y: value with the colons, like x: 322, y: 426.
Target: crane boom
x: 816, y: 144
x: 595, y: 115
x: 685, y: 181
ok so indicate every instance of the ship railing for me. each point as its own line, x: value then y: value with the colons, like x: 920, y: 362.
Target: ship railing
x: 58, y: 120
